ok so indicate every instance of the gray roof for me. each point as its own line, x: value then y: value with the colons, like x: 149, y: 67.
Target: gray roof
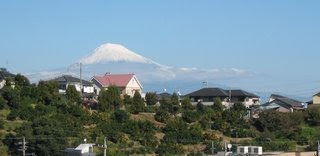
x: 164, y: 95
x: 285, y: 102
x: 318, y: 94
x: 218, y: 92
x: 204, y: 92
x: 5, y: 74
x: 242, y: 93
x: 71, y: 79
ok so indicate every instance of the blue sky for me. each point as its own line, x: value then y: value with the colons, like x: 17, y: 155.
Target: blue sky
x: 278, y: 40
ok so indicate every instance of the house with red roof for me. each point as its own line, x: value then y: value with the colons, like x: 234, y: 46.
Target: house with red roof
x: 128, y: 84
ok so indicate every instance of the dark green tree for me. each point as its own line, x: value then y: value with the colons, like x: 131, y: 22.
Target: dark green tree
x: 3, y: 102
x: 21, y: 80
x: 48, y: 92
x: 12, y: 96
x: 109, y: 99
x: 162, y: 116
x: 175, y: 104
x: 72, y: 95
x: 137, y: 104
x: 151, y: 98
x: 186, y: 104
x: 217, y: 106
x: 190, y: 116
x: 313, y: 115
x: 127, y: 101
x: 120, y: 116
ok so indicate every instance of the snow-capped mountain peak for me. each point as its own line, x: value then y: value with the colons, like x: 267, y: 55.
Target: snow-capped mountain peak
x: 110, y: 52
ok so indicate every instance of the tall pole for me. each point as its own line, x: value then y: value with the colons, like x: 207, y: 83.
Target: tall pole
x: 24, y: 147
x: 212, y: 147
x: 230, y: 98
x: 105, y: 147
x: 318, y: 152
x: 80, y: 78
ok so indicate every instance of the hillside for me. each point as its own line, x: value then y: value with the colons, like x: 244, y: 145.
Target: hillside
x: 52, y: 122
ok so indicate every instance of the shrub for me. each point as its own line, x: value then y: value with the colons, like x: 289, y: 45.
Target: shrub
x: 162, y: 116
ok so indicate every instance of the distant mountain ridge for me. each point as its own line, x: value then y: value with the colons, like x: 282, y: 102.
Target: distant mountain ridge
x: 110, y: 52
x: 116, y: 58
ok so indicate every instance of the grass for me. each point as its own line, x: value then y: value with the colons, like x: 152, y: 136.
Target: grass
x: 147, y: 117
x: 9, y: 125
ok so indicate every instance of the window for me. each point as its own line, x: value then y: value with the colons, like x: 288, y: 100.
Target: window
x: 256, y: 150
x: 241, y: 150
x: 62, y: 87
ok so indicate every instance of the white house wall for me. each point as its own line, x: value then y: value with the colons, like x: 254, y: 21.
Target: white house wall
x: 2, y: 83
x: 88, y: 89
x: 133, y: 86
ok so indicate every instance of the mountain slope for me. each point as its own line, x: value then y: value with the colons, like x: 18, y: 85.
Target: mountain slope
x: 113, y: 53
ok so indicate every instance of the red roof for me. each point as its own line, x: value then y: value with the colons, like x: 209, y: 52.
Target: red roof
x: 120, y: 80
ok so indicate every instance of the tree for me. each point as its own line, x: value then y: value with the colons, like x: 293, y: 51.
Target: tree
x: 127, y: 101
x: 151, y: 98
x: 178, y: 131
x: 190, y: 116
x: 137, y: 104
x: 73, y: 95
x: 282, y: 124
x: 200, y: 107
x: 12, y: 96
x: 48, y: 92
x: 3, y: 102
x: 162, y: 116
x: 175, y: 104
x: 120, y: 116
x: 21, y: 80
x: 109, y: 99
x: 217, y: 106
x: 186, y: 104
x: 313, y: 115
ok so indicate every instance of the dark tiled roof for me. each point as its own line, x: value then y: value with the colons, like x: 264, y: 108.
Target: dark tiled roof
x: 218, y: 92
x: 275, y: 96
x: 5, y: 74
x: 242, y: 93
x: 164, y: 96
x: 205, y: 92
x: 318, y: 94
x: 285, y: 102
x: 68, y: 78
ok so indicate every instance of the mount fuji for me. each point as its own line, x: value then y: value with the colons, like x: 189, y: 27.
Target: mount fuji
x: 115, y: 59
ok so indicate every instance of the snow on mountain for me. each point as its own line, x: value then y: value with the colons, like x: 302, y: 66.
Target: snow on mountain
x: 110, y: 52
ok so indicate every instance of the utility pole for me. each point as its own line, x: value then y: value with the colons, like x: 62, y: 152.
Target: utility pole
x: 230, y: 97
x: 225, y: 147
x: 81, y: 79
x: 212, y: 148
x: 318, y: 152
x: 105, y: 147
x: 24, y: 147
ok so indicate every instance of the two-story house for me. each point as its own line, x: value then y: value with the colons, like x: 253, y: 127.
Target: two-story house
x: 64, y: 81
x: 128, y: 84
x: 207, y: 96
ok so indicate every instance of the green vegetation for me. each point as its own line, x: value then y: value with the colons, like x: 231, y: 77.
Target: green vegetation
x: 52, y: 122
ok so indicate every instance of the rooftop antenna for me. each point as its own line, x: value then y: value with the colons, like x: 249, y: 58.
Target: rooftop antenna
x: 205, y: 84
